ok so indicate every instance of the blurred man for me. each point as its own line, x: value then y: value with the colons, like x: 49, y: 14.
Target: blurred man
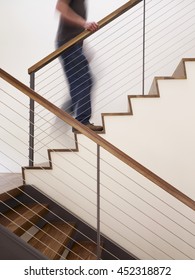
x: 73, y: 22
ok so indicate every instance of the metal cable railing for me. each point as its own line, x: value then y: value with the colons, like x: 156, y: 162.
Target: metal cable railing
x: 130, y: 229
x: 101, y: 100
x: 154, y: 27
x: 117, y: 182
x: 186, y: 249
x: 19, y: 151
x: 42, y: 218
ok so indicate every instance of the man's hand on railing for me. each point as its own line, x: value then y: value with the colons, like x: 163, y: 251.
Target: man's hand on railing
x: 91, y: 26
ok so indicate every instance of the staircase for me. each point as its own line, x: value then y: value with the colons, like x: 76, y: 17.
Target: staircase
x: 158, y: 130
x: 146, y: 176
x: 52, y: 238
x: 45, y: 231
x: 141, y: 214
x: 123, y: 190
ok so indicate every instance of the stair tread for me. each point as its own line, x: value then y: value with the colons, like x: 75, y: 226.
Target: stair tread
x: 22, y: 217
x: 52, y: 238
x: 84, y: 250
x: 11, y: 193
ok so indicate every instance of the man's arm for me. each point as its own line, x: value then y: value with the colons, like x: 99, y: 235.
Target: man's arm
x: 73, y: 18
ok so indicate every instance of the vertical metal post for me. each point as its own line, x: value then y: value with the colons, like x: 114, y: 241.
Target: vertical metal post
x: 144, y: 43
x: 98, y: 202
x: 31, y: 122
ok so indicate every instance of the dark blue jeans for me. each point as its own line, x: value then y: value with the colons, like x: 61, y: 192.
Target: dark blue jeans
x: 78, y: 74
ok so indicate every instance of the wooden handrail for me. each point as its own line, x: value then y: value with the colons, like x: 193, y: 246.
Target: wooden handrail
x: 99, y: 140
x: 83, y: 35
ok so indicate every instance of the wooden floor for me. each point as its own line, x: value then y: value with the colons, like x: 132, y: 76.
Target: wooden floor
x: 10, y: 181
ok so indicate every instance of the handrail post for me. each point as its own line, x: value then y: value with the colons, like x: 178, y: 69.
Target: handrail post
x: 98, y: 202
x: 144, y: 42
x: 31, y: 122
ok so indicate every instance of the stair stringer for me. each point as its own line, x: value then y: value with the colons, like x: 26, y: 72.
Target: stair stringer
x: 161, y: 133
x: 135, y: 213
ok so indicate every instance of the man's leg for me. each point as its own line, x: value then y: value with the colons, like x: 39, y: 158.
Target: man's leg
x: 80, y: 82
x: 77, y: 71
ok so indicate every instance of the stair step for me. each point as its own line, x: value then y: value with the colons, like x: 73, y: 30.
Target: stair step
x: 10, y: 194
x: 84, y: 250
x: 52, y: 239
x: 22, y: 217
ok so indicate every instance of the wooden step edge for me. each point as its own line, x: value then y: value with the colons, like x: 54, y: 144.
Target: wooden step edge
x: 11, y: 194
x: 180, y: 71
x: 154, y: 89
x: 52, y: 239
x: 48, y: 165
x: 84, y: 250
x: 27, y: 219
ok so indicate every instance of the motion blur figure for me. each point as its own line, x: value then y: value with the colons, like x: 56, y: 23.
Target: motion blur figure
x: 75, y: 64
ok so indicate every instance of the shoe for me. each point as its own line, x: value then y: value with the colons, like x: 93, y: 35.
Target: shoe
x: 91, y: 126
x: 94, y: 127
